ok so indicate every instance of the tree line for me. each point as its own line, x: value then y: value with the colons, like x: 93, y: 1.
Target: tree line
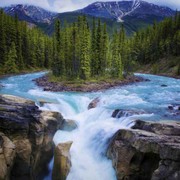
x: 156, y: 42
x: 91, y: 53
x: 77, y: 51
x: 22, y: 47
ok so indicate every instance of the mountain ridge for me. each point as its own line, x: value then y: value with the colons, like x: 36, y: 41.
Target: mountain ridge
x: 32, y: 14
x: 134, y: 14
x: 120, y: 9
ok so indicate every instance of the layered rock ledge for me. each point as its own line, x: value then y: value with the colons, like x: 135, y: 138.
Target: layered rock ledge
x: 26, y: 138
x: 147, y: 151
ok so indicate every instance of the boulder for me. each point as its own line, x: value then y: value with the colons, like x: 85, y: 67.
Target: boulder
x: 31, y: 131
x: 69, y: 125
x: 165, y: 128
x: 1, y: 86
x: 170, y: 107
x: 174, y: 109
x: 62, y: 161
x: 163, y: 85
x: 93, y: 103
x: 148, y: 151
x: 118, y: 113
x: 42, y: 102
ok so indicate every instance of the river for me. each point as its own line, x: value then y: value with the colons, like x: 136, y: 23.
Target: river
x: 96, y: 126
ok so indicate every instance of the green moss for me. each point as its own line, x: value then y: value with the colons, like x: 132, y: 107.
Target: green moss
x: 2, y: 109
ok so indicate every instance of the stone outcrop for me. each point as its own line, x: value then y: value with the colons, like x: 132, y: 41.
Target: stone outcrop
x: 93, y: 103
x: 62, y: 161
x: 147, y: 151
x: 31, y: 133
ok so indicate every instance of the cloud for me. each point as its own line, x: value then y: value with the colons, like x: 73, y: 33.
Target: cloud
x: 175, y: 4
x: 70, y: 5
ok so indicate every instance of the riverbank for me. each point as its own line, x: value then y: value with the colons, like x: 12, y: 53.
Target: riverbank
x: 168, y: 67
x: 86, y: 86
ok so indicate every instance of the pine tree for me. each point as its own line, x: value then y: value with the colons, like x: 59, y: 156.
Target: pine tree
x: 3, y: 48
x: 20, y: 62
x: 10, y: 64
x: 85, y: 49
x: 74, y: 48
x: 117, y: 65
x: 104, y: 50
x: 93, y: 50
x: 57, y: 33
x: 98, y: 49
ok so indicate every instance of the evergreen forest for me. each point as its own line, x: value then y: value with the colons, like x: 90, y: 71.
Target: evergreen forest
x: 77, y: 51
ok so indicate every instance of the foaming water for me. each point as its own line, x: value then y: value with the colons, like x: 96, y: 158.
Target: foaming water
x: 96, y: 126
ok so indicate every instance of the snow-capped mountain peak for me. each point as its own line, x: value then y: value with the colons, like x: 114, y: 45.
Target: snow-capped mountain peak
x: 120, y: 9
x: 32, y: 13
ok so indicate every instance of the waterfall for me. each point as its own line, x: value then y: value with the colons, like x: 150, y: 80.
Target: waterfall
x: 146, y: 101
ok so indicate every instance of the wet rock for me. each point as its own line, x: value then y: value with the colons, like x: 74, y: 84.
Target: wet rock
x: 69, y: 125
x: 62, y: 161
x: 118, y: 113
x: 174, y: 109
x: 93, y: 103
x: 170, y: 107
x: 148, y: 151
x: 1, y: 86
x: 163, y: 85
x: 31, y: 131
x: 42, y: 102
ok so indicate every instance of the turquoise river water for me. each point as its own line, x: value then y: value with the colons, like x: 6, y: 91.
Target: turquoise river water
x: 96, y: 126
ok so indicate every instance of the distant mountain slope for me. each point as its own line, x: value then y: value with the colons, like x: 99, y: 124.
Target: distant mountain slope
x: 131, y: 25
x: 31, y: 14
x: 134, y: 15
x: 118, y: 10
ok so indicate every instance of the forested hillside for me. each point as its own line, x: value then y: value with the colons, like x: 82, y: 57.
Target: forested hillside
x: 73, y: 52
x: 158, y: 43
x: 78, y: 51
x: 22, y: 48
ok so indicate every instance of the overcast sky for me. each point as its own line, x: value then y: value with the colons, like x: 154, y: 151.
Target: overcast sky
x: 70, y: 5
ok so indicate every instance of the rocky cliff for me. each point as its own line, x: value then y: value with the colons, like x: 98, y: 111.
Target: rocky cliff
x: 26, y: 138
x: 147, y: 151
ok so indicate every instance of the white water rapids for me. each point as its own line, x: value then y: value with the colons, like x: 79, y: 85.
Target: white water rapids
x: 96, y: 126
